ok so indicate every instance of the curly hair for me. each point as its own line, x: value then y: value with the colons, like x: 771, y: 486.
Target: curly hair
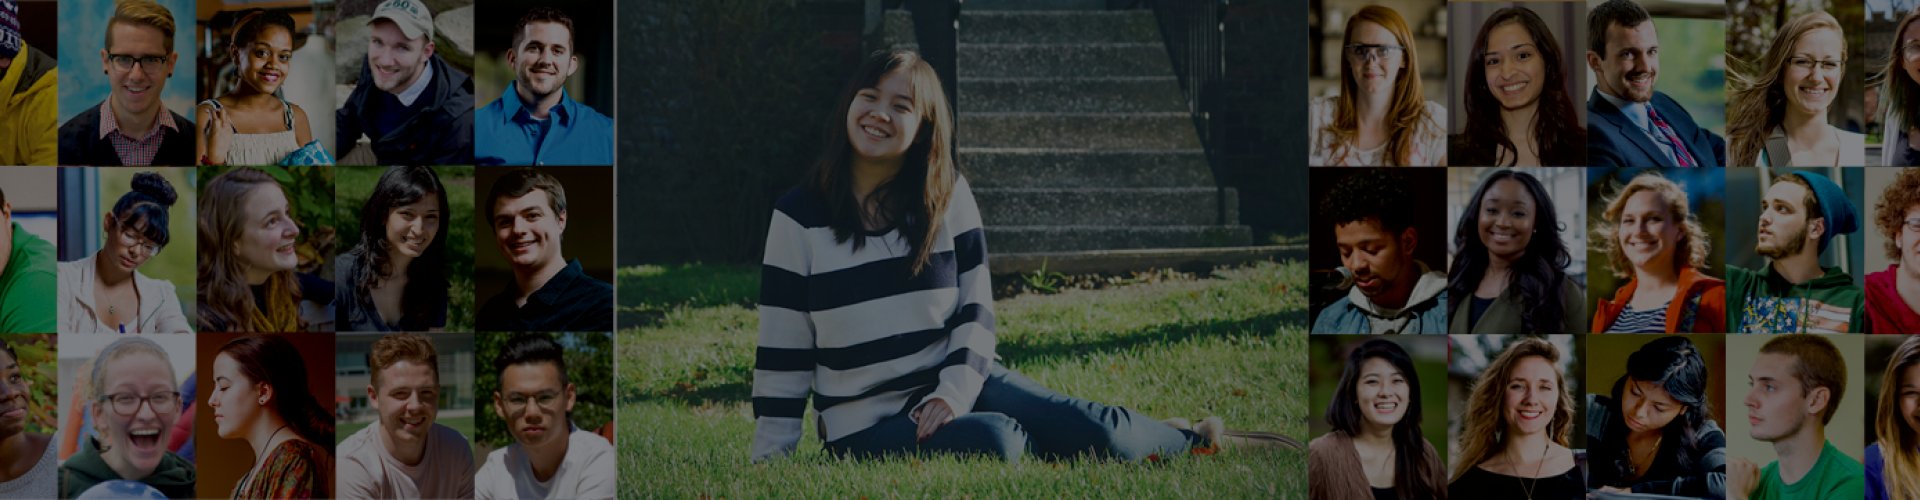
x: 1536, y: 276
x: 1890, y: 213
x: 1557, y: 131
x: 1485, y: 432
x: 1756, y: 94
x: 1693, y: 236
x: 1370, y: 194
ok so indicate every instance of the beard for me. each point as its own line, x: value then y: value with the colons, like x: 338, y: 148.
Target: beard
x: 1791, y: 244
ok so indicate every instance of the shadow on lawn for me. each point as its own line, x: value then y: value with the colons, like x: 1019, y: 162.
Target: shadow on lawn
x: 733, y: 384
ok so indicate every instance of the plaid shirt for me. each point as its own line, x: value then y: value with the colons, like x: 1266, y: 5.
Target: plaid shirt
x: 132, y: 151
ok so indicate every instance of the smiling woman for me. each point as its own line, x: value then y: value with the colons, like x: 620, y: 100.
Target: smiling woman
x: 135, y: 405
x: 1518, y: 421
x: 1518, y: 111
x: 248, y: 239
x: 1779, y: 108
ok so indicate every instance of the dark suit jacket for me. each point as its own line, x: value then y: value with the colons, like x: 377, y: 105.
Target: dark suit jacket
x: 1614, y: 141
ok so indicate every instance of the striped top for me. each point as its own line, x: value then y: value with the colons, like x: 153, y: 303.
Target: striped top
x: 857, y: 332
x: 1641, y: 321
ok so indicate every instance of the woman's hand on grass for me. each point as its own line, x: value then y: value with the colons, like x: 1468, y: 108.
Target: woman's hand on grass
x: 931, y: 416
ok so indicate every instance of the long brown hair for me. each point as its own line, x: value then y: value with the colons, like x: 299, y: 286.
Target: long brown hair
x: 1408, y: 105
x: 226, y: 303
x: 1898, y: 441
x: 915, y: 199
x: 1485, y: 433
x: 1902, y: 93
x: 1756, y: 103
x: 1557, y: 133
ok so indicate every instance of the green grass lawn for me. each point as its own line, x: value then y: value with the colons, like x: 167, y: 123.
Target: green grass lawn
x: 1232, y: 345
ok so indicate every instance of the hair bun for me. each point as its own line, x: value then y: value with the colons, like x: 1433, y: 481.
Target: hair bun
x: 154, y: 186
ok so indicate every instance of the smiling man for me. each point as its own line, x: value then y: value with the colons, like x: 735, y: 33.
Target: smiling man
x: 535, y: 122
x: 413, y: 107
x: 549, y: 457
x: 1794, y: 388
x: 528, y: 213
x: 132, y: 126
x: 1800, y: 215
x: 1392, y: 291
x: 405, y: 454
x: 1628, y: 122
x: 1893, y: 295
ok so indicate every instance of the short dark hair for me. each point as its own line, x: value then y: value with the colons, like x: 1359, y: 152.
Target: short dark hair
x: 1625, y: 13
x: 1370, y: 194
x: 544, y: 15
x: 529, y: 348
x: 520, y: 181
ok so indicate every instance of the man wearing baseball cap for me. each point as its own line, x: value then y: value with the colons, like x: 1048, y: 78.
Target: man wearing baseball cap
x: 1799, y: 216
x: 419, y: 109
x: 27, y: 96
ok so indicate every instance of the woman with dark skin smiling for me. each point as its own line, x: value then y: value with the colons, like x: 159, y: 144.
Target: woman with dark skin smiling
x: 252, y: 125
x: 1655, y: 433
x: 27, y: 460
x: 1509, y: 267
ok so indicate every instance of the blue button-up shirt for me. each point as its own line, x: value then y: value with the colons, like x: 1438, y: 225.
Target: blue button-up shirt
x: 505, y: 133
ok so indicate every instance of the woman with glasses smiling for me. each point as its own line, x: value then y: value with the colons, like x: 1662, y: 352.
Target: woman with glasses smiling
x: 105, y: 292
x: 1380, y: 118
x: 1778, y: 107
x: 1900, y: 96
x: 136, y: 403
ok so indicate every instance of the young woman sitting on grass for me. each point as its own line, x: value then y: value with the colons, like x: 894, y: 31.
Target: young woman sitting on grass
x: 875, y: 301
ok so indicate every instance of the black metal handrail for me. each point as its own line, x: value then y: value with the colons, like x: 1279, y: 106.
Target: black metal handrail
x: 1194, y: 35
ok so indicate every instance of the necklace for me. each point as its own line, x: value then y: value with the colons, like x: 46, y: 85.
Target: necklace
x: 1633, y: 471
x: 1526, y: 487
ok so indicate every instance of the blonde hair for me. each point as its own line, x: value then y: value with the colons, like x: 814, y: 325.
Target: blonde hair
x: 1409, y: 104
x: 1755, y: 102
x: 143, y: 13
x: 1485, y: 432
x: 1693, y: 236
x: 1898, y: 441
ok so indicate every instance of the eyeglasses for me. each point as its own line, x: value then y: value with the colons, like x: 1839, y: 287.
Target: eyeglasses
x: 126, y: 404
x: 1912, y: 225
x: 1365, y: 53
x: 132, y: 238
x: 1910, y: 51
x: 517, y: 403
x: 1808, y: 63
x: 149, y: 64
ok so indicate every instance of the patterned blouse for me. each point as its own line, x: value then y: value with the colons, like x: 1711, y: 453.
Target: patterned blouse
x: 295, y: 469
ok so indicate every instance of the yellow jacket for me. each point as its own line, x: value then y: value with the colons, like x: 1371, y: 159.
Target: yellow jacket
x: 29, y: 125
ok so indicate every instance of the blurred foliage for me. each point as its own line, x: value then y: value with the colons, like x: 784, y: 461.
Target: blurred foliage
x: 355, y: 184
x: 709, y: 177
x: 310, y: 194
x: 589, y: 368
x: 39, y: 366
x: 1695, y: 71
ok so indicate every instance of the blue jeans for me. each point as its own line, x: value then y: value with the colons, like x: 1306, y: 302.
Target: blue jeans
x: 1014, y: 414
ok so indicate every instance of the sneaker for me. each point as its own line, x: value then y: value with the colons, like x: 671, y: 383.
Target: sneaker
x: 1217, y: 433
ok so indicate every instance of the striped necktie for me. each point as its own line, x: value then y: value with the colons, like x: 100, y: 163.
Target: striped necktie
x: 1680, y: 155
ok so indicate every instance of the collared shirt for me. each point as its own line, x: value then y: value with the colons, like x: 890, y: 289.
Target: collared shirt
x: 1637, y: 113
x: 571, y: 301
x: 135, y: 151
x: 506, y: 133
x: 412, y: 93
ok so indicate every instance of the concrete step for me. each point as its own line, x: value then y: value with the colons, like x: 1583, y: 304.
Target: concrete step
x: 1124, y: 261
x: 1074, y: 95
x: 999, y: 60
x: 1036, y: 4
x: 1078, y: 130
x: 1027, y: 239
x: 1156, y: 206
x: 1055, y: 26
x: 1111, y: 168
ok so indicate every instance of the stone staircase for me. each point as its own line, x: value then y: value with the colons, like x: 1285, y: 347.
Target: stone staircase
x: 1075, y: 134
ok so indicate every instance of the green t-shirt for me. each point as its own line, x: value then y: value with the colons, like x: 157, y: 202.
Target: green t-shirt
x: 1834, y: 475
x: 28, y: 285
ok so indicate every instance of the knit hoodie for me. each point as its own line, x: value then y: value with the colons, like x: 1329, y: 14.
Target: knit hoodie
x: 1767, y: 303
x: 174, y: 476
x: 1425, y: 311
x: 1886, y: 311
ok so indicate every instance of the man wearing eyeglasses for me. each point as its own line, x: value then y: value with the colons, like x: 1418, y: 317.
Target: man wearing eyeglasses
x: 1629, y: 123
x: 549, y: 457
x: 1893, y: 295
x: 132, y: 126
x: 412, y: 106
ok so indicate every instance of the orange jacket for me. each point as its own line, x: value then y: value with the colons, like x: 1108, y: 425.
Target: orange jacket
x: 1709, y: 317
